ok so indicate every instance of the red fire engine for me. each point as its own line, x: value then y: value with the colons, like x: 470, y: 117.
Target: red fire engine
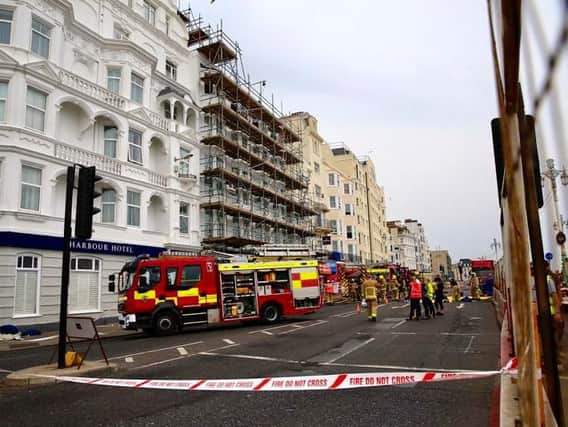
x: 165, y: 294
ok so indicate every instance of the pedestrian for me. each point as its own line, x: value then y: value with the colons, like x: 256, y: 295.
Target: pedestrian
x: 439, y: 296
x: 370, y: 286
x: 427, y: 295
x: 415, y: 296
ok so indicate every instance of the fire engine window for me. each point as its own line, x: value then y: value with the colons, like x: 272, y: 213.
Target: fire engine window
x: 152, y: 276
x: 172, y: 276
x: 190, y: 276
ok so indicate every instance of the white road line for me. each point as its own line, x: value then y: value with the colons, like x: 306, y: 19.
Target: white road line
x: 266, y: 332
x: 318, y: 322
x: 182, y: 351
x: 460, y: 306
x: 394, y: 368
x: 161, y: 362
x: 268, y: 329
x: 469, y: 345
x: 457, y: 334
x: 44, y: 338
x: 475, y: 318
x: 247, y: 356
x: 400, y: 306
x: 346, y: 314
x: 297, y: 326
x: 357, y: 347
x: 228, y: 341
x: 403, y: 333
x: 153, y: 351
x: 398, y: 324
x: 129, y: 359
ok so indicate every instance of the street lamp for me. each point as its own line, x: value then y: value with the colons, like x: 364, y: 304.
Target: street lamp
x: 552, y: 173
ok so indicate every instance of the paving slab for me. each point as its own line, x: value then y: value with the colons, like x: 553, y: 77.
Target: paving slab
x: 45, y: 374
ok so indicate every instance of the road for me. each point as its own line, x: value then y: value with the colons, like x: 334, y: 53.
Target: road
x: 334, y: 340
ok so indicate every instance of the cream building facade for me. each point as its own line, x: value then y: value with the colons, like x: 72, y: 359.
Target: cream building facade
x: 352, y: 209
x: 408, y: 245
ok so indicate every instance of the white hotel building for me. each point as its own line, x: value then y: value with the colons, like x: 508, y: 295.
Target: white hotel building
x: 106, y: 83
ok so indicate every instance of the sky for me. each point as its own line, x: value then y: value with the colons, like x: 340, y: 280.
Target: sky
x: 409, y: 83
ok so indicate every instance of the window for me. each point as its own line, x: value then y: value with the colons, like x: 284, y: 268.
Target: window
x: 152, y: 276
x: 84, y: 285
x: 183, y: 218
x: 3, y: 97
x: 149, y: 13
x: 133, y: 208
x: 190, y: 276
x: 171, y: 70
x: 347, y: 188
x: 317, y: 191
x: 119, y: 33
x: 316, y: 147
x: 348, y: 209
x: 334, y: 247
x: 40, y: 38
x: 316, y: 167
x: 134, y: 146
x: 331, y: 179
x: 26, y: 288
x: 167, y: 25
x: 113, y: 79
x: 171, y: 273
x: 136, y: 88
x: 36, y: 102
x: 5, y: 26
x: 332, y: 202
x: 184, y: 156
x: 30, y: 188
x: 111, y: 136
x: 108, y: 202
x: 349, y: 231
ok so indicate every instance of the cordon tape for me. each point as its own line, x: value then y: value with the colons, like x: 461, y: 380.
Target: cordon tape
x: 295, y: 383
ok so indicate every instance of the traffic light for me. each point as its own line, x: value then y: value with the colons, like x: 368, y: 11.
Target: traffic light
x: 85, y: 195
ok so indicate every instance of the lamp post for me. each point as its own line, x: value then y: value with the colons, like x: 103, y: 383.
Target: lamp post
x: 552, y: 173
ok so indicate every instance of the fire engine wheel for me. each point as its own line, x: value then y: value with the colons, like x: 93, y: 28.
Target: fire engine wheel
x: 165, y: 323
x: 270, y: 313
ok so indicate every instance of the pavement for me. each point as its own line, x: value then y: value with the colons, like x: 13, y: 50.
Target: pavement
x: 334, y: 340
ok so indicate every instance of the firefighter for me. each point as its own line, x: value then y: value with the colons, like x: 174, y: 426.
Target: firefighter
x: 415, y: 297
x: 455, y: 289
x: 394, y: 288
x: 474, y: 286
x: 382, y: 290
x: 370, y: 286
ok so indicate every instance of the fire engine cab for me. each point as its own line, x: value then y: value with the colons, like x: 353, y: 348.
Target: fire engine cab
x: 165, y: 294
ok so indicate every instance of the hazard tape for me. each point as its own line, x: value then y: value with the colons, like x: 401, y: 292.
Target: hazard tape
x: 297, y: 383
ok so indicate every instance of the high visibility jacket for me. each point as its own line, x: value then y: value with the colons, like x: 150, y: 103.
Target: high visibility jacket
x: 415, y: 289
x: 430, y: 288
x: 550, y: 298
x: 370, y: 289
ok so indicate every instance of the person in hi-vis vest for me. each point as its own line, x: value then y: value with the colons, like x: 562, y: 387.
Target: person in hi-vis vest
x: 370, y: 296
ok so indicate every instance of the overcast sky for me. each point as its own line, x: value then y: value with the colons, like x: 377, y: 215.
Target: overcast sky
x: 408, y: 82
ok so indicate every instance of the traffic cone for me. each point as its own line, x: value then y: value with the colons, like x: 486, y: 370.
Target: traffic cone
x: 358, y: 308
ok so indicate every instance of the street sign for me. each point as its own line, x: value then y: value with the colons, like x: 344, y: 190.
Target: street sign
x: 548, y: 256
x: 560, y: 238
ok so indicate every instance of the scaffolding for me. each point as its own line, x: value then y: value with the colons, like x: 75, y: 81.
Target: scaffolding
x: 253, y: 189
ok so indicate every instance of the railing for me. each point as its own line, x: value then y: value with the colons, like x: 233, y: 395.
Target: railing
x: 157, y: 120
x: 91, y: 89
x: 107, y: 164
x: 83, y: 157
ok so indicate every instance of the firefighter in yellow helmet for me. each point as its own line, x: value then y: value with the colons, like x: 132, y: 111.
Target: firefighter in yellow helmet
x: 382, y: 290
x: 394, y: 288
x: 370, y: 295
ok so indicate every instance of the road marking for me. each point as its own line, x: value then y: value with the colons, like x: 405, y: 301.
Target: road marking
x: 317, y: 323
x: 153, y: 351
x: 400, y: 306
x: 44, y: 338
x: 469, y: 345
x: 228, y: 341
x: 398, y: 324
x: 395, y: 368
x: 297, y: 326
x: 403, y: 333
x: 161, y: 362
x: 248, y: 356
x: 182, y: 351
x: 346, y: 314
x: 357, y: 347
x: 266, y: 332
x: 475, y: 318
x: 460, y: 306
x: 268, y: 329
x: 129, y: 359
x: 457, y: 334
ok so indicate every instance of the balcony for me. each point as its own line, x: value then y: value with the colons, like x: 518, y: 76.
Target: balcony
x: 92, y: 90
x: 116, y: 167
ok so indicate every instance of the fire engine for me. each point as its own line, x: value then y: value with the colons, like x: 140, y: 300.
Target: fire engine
x: 163, y: 295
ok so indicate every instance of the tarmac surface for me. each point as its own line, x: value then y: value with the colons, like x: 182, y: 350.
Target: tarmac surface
x: 334, y: 340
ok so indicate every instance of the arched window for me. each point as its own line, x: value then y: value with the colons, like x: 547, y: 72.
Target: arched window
x: 84, y: 285
x: 26, y: 290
